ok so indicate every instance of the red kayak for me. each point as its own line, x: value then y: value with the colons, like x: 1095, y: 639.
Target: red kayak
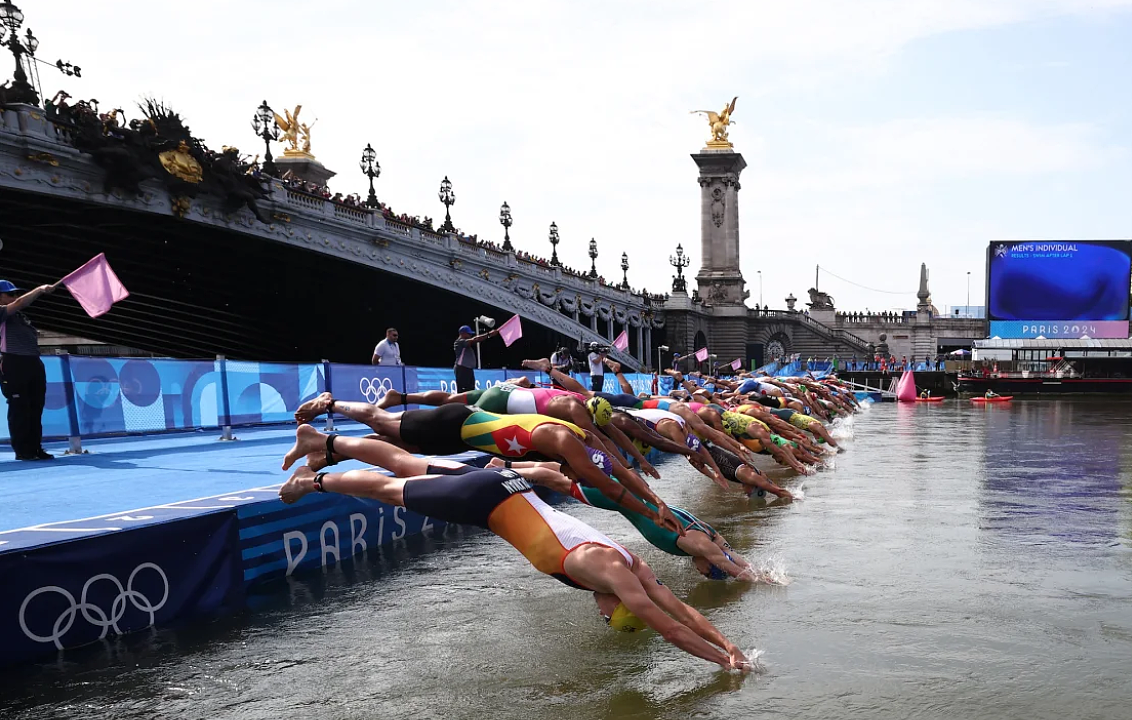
x: 929, y: 399
x: 1000, y: 398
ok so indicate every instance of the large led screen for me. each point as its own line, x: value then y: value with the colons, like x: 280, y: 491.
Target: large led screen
x: 1059, y: 289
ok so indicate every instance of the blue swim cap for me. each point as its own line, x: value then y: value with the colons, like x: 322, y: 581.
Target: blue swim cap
x: 715, y: 573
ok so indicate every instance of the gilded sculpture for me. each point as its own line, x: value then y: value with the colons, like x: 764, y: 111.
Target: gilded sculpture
x: 181, y: 164
x: 297, y: 135
x: 719, y: 123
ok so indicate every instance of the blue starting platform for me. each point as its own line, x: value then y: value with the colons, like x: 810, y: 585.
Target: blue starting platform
x: 140, y: 554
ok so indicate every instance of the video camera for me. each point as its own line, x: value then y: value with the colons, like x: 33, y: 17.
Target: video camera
x: 600, y: 348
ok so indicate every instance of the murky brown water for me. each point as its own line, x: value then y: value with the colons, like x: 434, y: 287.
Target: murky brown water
x: 955, y: 562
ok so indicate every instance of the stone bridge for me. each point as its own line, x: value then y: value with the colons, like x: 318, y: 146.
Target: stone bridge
x: 205, y: 282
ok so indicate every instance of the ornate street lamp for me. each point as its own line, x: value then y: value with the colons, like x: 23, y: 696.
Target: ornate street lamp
x: 554, y: 244
x: 371, y: 168
x: 505, y: 221
x: 449, y: 199
x: 625, y: 270
x: 11, y: 18
x: 679, y: 284
x: 263, y: 123
x: 593, y: 258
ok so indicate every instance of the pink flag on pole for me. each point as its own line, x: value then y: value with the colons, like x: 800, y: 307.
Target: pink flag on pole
x: 736, y: 363
x: 622, y: 341
x: 511, y: 330
x: 95, y: 286
x: 701, y: 354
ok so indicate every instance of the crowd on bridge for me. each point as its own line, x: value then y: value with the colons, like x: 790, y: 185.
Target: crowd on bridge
x: 747, y: 434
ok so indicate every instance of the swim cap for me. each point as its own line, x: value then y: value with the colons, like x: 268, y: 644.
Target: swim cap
x: 600, y: 410
x: 693, y: 443
x: 624, y: 621
x: 640, y: 445
x: 715, y: 573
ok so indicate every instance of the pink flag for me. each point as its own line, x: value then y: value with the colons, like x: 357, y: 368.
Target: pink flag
x: 701, y: 354
x: 622, y: 341
x: 511, y: 330
x: 736, y: 363
x: 95, y: 286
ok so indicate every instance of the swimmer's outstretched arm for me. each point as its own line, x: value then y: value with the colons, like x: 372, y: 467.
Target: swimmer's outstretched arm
x: 619, y: 439
x: 599, y: 568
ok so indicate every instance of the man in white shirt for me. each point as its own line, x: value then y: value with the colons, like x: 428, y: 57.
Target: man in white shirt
x: 387, y: 352
x: 597, y: 367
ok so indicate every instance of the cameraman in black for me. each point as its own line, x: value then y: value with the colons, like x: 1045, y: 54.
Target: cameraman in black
x: 596, y: 360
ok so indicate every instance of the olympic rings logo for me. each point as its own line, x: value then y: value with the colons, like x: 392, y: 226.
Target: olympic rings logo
x: 373, y: 389
x: 92, y: 613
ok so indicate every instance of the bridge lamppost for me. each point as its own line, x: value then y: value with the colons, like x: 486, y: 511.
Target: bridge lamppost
x: 505, y: 221
x: 593, y: 258
x: 679, y: 261
x: 371, y: 168
x: 11, y: 17
x: 449, y: 199
x: 554, y: 244
x: 625, y: 270
x: 760, y: 272
x: 263, y: 122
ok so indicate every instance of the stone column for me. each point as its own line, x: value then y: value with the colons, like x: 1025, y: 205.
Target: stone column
x: 648, y: 343
x: 640, y: 342
x: 720, y: 280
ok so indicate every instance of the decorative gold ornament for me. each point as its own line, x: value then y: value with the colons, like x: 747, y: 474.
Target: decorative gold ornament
x: 283, y: 217
x: 45, y: 158
x: 179, y: 163
x: 297, y: 135
x: 181, y: 205
x: 719, y: 123
x: 485, y: 275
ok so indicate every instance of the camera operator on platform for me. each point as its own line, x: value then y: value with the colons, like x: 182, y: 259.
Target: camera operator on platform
x: 596, y: 359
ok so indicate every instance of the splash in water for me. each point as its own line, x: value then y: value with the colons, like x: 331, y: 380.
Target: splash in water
x: 754, y: 659
x: 769, y: 571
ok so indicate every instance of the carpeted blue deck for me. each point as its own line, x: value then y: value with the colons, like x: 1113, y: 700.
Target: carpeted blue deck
x: 122, y: 474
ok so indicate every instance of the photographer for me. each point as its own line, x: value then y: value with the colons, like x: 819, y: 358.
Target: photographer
x: 596, y: 360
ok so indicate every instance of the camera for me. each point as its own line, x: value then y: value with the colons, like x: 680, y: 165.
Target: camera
x: 600, y: 348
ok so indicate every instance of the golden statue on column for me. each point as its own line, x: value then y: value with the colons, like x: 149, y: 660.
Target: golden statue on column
x: 719, y: 123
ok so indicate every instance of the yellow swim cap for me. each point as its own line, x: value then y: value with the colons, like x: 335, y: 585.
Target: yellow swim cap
x: 624, y: 621
x: 601, y: 410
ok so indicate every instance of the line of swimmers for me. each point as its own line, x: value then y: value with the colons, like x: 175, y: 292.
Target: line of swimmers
x: 570, y: 440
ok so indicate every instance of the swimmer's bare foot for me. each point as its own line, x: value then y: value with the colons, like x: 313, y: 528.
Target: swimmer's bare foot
x: 392, y: 398
x: 542, y: 365
x: 307, y: 441
x: 317, y: 460
x: 523, y: 382
x: 313, y: 408
x: 300, y: 484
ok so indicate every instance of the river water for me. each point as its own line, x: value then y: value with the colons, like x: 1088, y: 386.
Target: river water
x: 954, y: 562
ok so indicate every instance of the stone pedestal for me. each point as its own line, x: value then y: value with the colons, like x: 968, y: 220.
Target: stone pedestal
x: 303, y: 166
x: 719, y: 279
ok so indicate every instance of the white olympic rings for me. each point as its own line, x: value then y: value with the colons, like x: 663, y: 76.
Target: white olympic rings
x: 373, y: 389
x: 93, y: 613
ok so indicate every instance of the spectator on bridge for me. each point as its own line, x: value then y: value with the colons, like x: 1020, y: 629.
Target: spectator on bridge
x: 466, y: 357
x: 23, y: 379
x: 388, y: 351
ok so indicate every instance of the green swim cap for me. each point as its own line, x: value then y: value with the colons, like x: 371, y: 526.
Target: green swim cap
x: 624, y: 621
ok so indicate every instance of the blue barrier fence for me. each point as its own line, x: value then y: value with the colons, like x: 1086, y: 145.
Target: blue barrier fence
x: 98, y: 397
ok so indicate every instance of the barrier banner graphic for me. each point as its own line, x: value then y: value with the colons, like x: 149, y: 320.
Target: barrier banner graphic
x: 75, y: 593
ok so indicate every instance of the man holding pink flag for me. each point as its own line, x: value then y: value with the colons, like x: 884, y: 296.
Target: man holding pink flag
x: 464, y: 347
x: 23, y: 379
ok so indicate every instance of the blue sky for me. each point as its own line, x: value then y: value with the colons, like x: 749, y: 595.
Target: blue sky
x: 879, y: 134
